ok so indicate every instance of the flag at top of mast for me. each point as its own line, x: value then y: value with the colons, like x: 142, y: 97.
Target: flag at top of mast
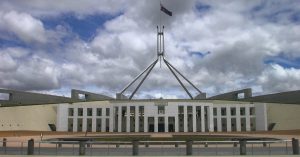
x: 165, y: 10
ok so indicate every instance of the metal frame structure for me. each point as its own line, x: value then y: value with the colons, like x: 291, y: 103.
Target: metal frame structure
x: 160, y: 57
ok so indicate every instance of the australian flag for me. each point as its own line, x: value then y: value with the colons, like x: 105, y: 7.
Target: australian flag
x: 162, y: 8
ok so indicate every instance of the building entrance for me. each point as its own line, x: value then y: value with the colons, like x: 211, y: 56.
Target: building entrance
x: 151, y: 128
x: 161, y: 127
x: 161, y: 124
x: 171, y: 126
x: 150, y: 124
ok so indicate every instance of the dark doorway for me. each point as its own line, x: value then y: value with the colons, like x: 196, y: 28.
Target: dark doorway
x: 151, y: 128
x: 161, y: 124
x: 161, y: 127
x: 150, y: 124
x: 171, y: 128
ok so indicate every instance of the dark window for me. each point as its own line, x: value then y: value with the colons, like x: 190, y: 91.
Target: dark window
x: 215, y: 111
x: 180, y: 109
x: 89, y: 112
x: 233, y: 111
x: 71, y: 112
x: 141, y: 110
x: 223, y: 111
x: 190, y: 109
x: 252, y: 111
x: 99, y: 111
x: 80, y: 111
x: 107, y: 111
x: 242, y: 111
x: 161, y: 109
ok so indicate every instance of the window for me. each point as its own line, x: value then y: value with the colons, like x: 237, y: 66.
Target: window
x: 82, y: 97
x: 99, y: 111
x: 180, y: 119
x: 80, y: 111
x: 141, y: 110
x: 132, y: 110
x: 190, y: 109
x: 161, y: 109
x: 223, y: 111
x: 89, y: 112
x: 71, y: 112
x: 198, y: 111
x: 107, y: 111
x: 4, y: 96
x: 124, y: 111
x: 241, y: 95
x: 242, y: 111
x: 233, y: 111
x: 215, y: 111
x: 252, y: 111
x: 180, y: 109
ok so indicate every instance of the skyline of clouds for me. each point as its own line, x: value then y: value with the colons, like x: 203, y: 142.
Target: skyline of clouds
x: 100, y: 46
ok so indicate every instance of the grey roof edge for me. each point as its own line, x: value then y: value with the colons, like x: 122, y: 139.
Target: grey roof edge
x: 288, y: 97
x: 21, y: 98
x: 24, y: 98
x: 88, y: 96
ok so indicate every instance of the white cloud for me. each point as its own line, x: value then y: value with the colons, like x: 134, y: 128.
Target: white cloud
x: 238, y: 38
x: 276, y: 78
x: 9, y: 58
x: 21, y: 70
x: 7, y: 63
x: 56, y: 7
x: 24, y: 26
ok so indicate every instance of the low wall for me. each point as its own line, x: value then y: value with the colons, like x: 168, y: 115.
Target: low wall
x: 286, y: 116
x: 27, y: 117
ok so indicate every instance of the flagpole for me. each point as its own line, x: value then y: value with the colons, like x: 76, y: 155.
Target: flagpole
x: 159, y: 31
x: 160, y: 14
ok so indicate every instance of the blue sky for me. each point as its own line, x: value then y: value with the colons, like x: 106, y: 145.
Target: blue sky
x: 85, y: 27
x: 52, y: 47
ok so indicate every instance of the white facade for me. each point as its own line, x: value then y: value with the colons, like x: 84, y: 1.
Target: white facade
x: 160, y: 116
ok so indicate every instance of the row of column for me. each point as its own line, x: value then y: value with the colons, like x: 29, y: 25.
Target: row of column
x: 94, y: 120
x: 204, y: 119
x: 237, y: 117
x: 209, y: 120
x: 128, y: 119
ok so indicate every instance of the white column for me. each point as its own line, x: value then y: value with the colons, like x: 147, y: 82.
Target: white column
x: 103, y: 120
x: 120, y: 119
x: 210, y: 119
x: 84, y: 120
x: 145, y: 123
x: 176, y: 123
x: 228, y: 118
x: 128, y: 119
x: 136, y: 119
x: 238, y: 119
x: 202, y: 119
x: 155, y: 124
x: 62, y: 117
x: 111, y: 119
x: 75, y: 119
x: 261, y: 117
x: 166, y: 124
x: 248, y: 127
x: 219, y: 121
x: 94, y: 119
x: 194, y: 119
x: 185, y: 128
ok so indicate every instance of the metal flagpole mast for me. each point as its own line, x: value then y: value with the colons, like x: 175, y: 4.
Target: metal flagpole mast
x: 160, y: 57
